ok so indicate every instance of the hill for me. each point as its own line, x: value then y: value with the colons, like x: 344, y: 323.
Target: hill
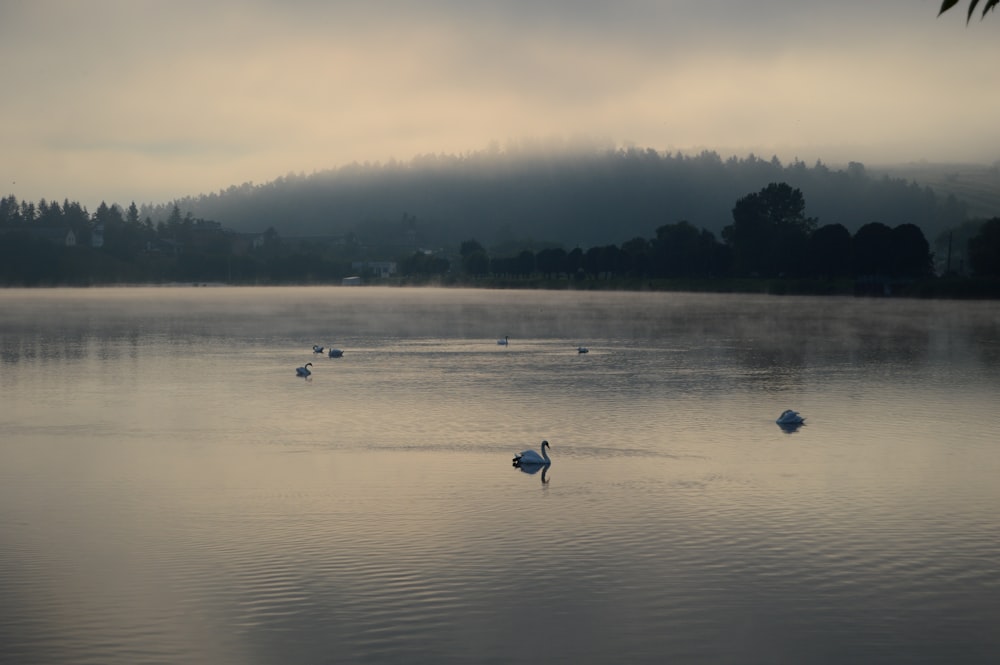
x: 566, y: 199
x: 976, y: 185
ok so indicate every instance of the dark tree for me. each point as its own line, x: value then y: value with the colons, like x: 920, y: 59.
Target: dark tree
x: 574, y: 263
x: 611, y: 261
x: 636, y: 257
x: 77, y: 218
x: 132, y: 215
x: 984, y: 250
x: 28, y: 212
x: 680, y: 250
x: 830, y: 252
x: 911, y: 253
x: 551, y: 261
x: 525, y: 265
x: 476, y: 263
x: 49, y: 214
x: 872, y: 248
x: 592, y: 262
x: 10, y: 212
x: 769, y: 232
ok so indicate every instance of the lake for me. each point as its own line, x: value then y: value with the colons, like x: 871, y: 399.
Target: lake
x: 171, y: 491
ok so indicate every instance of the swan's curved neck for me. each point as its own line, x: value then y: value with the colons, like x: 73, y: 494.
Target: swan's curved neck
x: 545, y: 452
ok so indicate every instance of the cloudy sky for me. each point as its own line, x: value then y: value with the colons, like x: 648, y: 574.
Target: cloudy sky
x: 145, y: 100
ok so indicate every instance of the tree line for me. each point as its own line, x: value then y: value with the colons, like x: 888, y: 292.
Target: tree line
x: 583, y: 198
x: 770, y: 236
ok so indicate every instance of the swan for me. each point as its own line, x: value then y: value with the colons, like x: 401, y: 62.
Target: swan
x: 790, y: 417
x: 531, y: 457
x: 336, y: 353
x: 505, y: 341
x: 304, y: 370
x: 317, y: 348
x: 582, y: 349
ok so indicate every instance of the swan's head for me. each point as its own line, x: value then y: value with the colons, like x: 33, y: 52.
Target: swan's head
x: 309, y: 364
x: 545, y: 444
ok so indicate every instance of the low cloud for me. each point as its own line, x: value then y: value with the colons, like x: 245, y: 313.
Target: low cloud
x: 148, y: 101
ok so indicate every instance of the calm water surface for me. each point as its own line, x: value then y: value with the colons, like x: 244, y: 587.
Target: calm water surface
x: 170, y: 491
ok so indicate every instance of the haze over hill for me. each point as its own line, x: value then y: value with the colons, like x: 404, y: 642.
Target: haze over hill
x: 582, y: 198
x: 151, y: 101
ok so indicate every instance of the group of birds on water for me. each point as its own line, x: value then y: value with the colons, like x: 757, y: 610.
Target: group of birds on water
x: 531, y: 461
x: 304, y: 371
x: 505, y: 341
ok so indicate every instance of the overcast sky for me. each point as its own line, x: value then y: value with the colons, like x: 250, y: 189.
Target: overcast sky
x: 122, y: 100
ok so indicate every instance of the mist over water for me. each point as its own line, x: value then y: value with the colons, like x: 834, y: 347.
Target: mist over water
x: 170, y: 491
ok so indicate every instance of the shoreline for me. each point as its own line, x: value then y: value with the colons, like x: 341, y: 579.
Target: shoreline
x: 936, y: 288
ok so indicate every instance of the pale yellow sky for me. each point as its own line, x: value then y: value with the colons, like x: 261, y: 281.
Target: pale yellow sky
x: 122, y: 100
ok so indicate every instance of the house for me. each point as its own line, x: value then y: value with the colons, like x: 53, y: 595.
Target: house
x: 381, y: 269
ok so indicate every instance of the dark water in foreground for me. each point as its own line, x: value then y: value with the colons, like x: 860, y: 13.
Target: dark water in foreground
x: 170, y: 492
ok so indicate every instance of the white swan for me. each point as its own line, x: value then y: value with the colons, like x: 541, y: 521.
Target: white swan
x: 335, y: 353
x: 317, y: 348
x: 531, y: 457
x: 790, y: 417
x: 505, y: 341
x: 304, y: 370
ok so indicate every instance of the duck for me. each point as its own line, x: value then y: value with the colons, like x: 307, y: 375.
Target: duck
x: 530, y: 457
x: 304, y: 370
x: 505, y: 341
x: 335, y: 353
x: 790, y: 417
x: 582, y: 349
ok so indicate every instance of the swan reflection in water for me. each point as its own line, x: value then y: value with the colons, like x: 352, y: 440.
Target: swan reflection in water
x: 532, y: 469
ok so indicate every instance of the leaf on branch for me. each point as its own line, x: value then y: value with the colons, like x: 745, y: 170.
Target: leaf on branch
x: 972, y: 8
x: 946, y: 5
x: 987, y: 6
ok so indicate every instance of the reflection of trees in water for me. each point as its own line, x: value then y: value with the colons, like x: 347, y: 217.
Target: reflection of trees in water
x: 51, y: 342
x: 780, y: 346
x: 984, y: 338
x: 39, y: 345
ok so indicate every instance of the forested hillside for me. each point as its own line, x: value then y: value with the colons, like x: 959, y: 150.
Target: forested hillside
x: 505, y: 198
x: 976, y: 185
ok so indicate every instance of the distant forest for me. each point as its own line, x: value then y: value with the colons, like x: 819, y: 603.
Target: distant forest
x: 509, y: 199
x: 636, y: 219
